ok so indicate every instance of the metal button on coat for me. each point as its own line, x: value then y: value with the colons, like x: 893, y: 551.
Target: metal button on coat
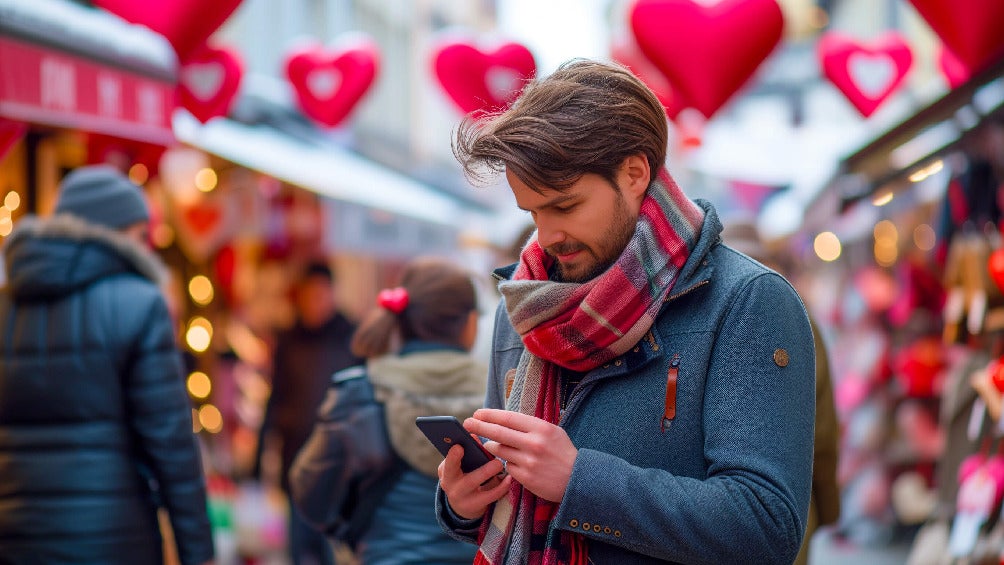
x: 781, y: 357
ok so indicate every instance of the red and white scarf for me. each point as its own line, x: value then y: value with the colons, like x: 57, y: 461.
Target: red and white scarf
x: 581, y: 326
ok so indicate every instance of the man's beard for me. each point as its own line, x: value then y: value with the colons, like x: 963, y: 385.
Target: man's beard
x: 618, y: 234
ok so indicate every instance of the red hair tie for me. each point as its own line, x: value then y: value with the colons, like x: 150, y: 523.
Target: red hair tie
x: 393, y: 299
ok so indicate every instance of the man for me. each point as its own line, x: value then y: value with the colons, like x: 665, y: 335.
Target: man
x: 95, y: 422
x: 650, y: 390
x: 741, y: 234
x: 305, y: 357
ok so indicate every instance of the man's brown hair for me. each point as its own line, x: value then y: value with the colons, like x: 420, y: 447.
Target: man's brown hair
x: 586, y: 117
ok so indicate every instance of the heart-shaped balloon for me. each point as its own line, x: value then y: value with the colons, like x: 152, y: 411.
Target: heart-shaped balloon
x: 866, y: 73
x: 952, y: 69
x: 208, y: 82
x: 330, y: 82
x: 186, y: 24
x: 482, y: 79
x: 625, y: 51
x: 969, y: 28
x: 707, y: 52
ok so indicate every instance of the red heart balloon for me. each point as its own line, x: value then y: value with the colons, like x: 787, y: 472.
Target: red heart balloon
x: 952, y: 68
x: 208, y: 82
x: 969, y: 28
x: 625, y: 51
x: 707, y: 52
x: 995, y: 264
x: 185, y: 23
x: 478, y: 80
x: 330, y: 82
x: 866, y: 73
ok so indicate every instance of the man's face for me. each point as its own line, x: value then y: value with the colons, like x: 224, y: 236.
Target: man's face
x: 315, y: 301
x: 584, y: 228
x: 138, y: 232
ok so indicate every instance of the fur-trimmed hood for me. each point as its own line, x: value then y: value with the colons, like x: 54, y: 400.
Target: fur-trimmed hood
x: 432, y: 383
x: 52, y: 257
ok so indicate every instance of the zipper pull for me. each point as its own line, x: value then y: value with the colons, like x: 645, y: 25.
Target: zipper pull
x: 671, y: 376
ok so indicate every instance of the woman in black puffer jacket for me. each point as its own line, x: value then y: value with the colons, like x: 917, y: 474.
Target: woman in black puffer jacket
x: 95, y: 423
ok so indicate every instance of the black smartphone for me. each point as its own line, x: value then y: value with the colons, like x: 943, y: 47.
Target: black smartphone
x: 446, y: 431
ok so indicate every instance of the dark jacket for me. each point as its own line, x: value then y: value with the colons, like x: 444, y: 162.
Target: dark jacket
x: 303, y: 362
x: 728, y: 480
x: 348, y: 448
x: 93, y: 410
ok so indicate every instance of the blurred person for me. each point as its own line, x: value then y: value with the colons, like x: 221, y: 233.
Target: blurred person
x: 305, y: 357
x: 417, y: 347
x: 95, y: 421
x: 651, y: 391
x: 741, y: 234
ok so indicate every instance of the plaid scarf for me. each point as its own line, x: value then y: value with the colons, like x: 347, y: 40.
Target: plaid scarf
x: 580, y: 326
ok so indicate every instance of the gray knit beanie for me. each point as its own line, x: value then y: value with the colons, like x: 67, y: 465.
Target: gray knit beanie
x: 100, y: 194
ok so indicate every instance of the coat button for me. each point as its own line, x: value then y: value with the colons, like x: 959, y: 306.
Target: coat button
x: 606, y: 530
x: 585, y: 526
x: 573, y: 523
x: 597, y: 528
x: 781, y: 357
x: 618, y: 362
x: 617, y: 533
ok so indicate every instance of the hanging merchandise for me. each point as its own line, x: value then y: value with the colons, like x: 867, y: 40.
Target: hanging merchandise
x: 11, y: 132
x: 867, y: 73
x: 724, y: 43
x: 330, y: 82
x: 481, y: 76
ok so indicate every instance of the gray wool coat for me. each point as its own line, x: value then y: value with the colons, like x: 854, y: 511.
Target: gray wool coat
x: 728, y: 480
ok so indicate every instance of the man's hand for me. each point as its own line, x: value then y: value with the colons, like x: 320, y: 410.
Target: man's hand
x: 539, y: 455
x: 469, y: 495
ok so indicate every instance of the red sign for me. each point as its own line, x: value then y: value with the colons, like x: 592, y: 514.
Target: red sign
x: 44, y: 86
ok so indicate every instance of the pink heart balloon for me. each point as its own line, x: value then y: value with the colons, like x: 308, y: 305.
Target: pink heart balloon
x: 330, y: 82
x: 482, y: 80
x: 208, y: 82
x: 707, y: 52
x: 185, y: 23
x: 625, y: 51
x: 951, y: 67
x: 866, y: 73
x: 969, y: 28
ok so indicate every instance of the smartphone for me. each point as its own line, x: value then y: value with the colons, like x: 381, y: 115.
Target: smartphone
x: 446, y: 431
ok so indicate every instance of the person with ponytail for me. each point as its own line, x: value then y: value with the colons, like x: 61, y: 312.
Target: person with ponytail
x: 365, y: 452
x: 651, y: 391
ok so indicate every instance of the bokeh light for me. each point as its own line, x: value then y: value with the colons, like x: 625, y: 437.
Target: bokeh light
x: 827, y: 246
x: 200, y: 288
